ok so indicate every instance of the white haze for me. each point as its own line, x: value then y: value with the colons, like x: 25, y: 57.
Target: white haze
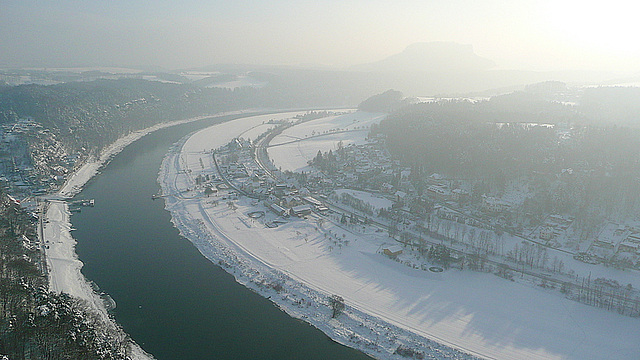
x: 518, y: 34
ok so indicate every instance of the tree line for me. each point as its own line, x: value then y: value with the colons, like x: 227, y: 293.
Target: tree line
x: 571, y: 164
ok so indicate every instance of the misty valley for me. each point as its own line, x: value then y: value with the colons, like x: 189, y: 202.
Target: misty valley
x: 424, y: 206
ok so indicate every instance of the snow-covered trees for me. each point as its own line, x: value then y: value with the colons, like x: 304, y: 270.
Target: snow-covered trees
x: 440, y: 254
x: 35, y: 323
x: 336, y: 303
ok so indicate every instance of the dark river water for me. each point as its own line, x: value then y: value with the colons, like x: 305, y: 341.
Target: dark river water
x: 171, y: 300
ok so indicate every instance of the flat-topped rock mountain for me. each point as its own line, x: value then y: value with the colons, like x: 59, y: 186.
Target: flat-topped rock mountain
x: 431, y: 57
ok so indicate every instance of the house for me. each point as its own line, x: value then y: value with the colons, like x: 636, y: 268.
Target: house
x: 210, y: 190
x: 280, y: 189
x: 437, y: 179
x: 439, y: 192
x: 255, y: 180
x: 631, y: 244
x: 546, y: 233
x: 400, y: 195
x: 460, y: 195
x: 386, y: 187
x: 634, y: 237
x: 312, y: 201
x: 392, y: 251
x: 494, y: 205
x: 605, y: 243
x: 290, y: 201
x: 628, y: 246
x: 261, y: 192
x: 301, y: 210
x: 279, y: 210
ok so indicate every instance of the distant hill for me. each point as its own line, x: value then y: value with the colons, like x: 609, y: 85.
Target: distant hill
x: 388, y: 101
x: 431, y: 57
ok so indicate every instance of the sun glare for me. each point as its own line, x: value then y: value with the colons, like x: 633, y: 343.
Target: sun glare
x: 603, y: 26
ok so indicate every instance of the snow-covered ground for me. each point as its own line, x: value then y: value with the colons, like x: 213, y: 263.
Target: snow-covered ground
x: 351, y: 121
x: 294, y: 156
x: 241, y: 81
x: 64, y: 266
x: 376, y: 201
x: 387, y: 303
x: 573, y: 270
x: 199, y: 75
x: 255, y: 131
x: 292, y: 149
x: 245, y: 127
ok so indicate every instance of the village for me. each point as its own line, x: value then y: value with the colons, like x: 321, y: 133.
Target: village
x: 33, y: 161
x: 276, y: 231
x: 361, y: 188
x: 335, y: 180
x: 360, y: 184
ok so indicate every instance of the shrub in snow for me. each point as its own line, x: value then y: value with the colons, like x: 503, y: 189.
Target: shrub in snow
x: 337, y: 305
x: 408, y: 352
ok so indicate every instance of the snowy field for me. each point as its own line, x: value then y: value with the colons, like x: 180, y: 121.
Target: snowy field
x: 255, y: 131
x: 241, y: 81
x: 199, y: 75
x: 222, y: 134
x: 387, y: 303
x: 351, y: 121
x: 294, y: 156
x: 377, y: 202
x: 298, y: 144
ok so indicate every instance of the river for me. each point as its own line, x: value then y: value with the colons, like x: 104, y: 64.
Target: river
x: 171, y: 300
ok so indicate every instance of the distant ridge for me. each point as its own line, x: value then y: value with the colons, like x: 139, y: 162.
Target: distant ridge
x: 430, y: 57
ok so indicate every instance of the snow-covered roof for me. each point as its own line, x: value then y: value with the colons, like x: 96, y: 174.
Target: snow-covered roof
x: 400, y: 194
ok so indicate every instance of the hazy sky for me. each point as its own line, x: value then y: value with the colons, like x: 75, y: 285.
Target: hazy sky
x: 516, y: 34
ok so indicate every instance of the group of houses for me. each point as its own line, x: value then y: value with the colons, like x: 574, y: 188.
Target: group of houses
x: 34, y: 160
x: 286, y: 198
x: 617, y: 240
x: 294, y: 202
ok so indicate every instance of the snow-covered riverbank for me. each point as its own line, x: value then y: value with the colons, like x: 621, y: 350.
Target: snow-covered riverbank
x: 62, y: 261
x: 217, y: 243
x: 299, y: 265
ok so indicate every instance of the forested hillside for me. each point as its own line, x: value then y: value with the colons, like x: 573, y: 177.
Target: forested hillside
x: 90, y: 114
x: 571, y: 161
